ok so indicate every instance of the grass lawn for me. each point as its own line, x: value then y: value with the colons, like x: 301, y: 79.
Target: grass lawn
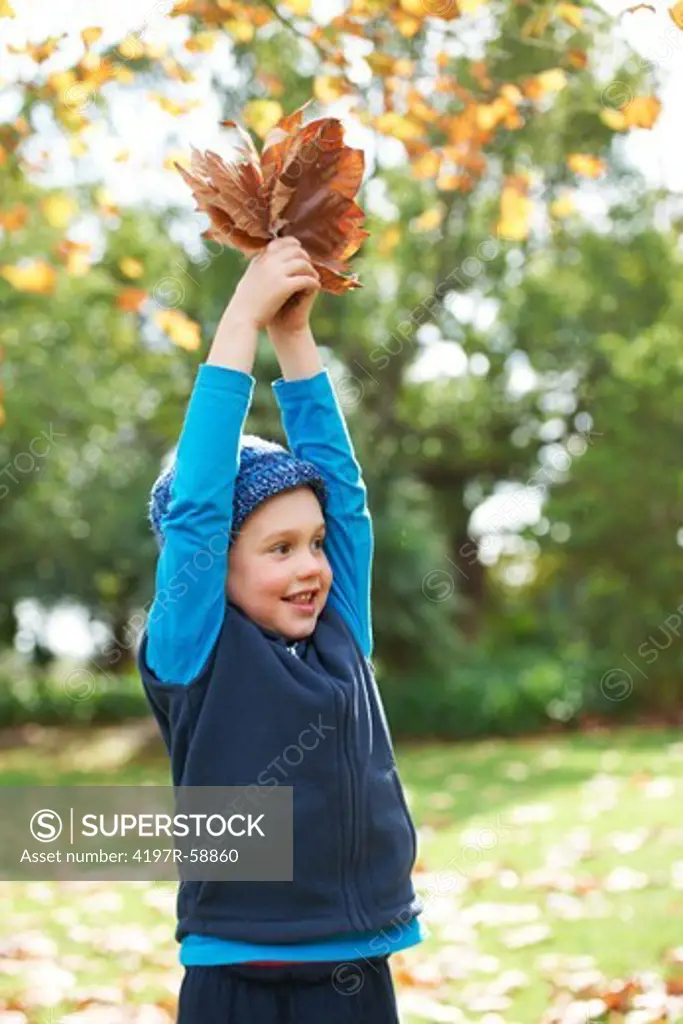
x: 551, y: 871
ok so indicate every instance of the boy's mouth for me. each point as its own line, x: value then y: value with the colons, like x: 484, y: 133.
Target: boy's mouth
x: 304, y: 600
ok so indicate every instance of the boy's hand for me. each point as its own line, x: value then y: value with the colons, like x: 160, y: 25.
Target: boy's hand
x: 293, y: 315
x: 272, y: 277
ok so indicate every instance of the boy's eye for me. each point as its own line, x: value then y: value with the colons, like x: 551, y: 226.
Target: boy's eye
x: 285, y: 544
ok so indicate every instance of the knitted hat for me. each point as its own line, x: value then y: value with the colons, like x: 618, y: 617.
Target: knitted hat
x: 265, y: 469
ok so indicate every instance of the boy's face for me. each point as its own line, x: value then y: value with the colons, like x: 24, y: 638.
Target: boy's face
x: 279, y: 552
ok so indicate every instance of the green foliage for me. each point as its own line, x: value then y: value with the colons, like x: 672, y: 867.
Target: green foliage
x: 47, y: 702
x: 496, y: 692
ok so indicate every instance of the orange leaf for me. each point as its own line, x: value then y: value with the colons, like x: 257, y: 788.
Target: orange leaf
x: 536, y: 24
x: 77, y: 147
x: 60, y: 81
x: 240, y: 30
x: 614, y: 119
x: 175, y: 70
x: 271, y: 83
x: 39, y: 52
x: 328, y: 88
x: 105, y: 202
x: 182, y: 331
x: 130, y: 299
x: 428, y: 220
x: 35, y: 276
x: 58, y: 209
x: 563, y: 206
x: 538, y: 86
x: 202, y: 42
x: 381, y: 63
x: 571, y: 13
x: 642, y: 111
x: 171, y: 107
x: 400, y: 127
x: 6, y: 9
x: 131, y: 267
x: 419, y: 109
x: 577, y: 58
x: 407, y: 25
x: 447, y: 10
x: 586, y: 164
x: 388, y: 240
x: 262, y: 115
x: 455, y: 182
x: 299, y: 7
x: 426, y: 166
x: 515, y: 210
x: 676, y: 14
x: 90, y: 36
x: 76, y: 256
x: 14, y: 218
x: 131, y: 48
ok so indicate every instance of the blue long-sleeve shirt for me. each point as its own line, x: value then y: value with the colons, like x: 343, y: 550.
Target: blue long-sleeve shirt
x: 189, y: 600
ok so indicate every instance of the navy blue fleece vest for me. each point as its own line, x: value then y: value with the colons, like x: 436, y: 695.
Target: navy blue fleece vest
x: 354, y: 840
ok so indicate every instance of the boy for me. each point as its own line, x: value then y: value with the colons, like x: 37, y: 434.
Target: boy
x: 259, y: 635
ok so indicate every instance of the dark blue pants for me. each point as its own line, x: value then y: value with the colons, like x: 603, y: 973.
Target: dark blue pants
x: 333, y: 992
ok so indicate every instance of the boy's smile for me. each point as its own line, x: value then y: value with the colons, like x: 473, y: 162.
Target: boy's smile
x: 278, y: 572
x: 304, y: 601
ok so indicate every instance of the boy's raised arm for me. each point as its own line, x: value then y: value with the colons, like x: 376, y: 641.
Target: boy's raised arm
x: 189, y: 600
x: 316, y: 430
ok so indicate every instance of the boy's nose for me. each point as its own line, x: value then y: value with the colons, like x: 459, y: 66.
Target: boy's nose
x: 309, y: 569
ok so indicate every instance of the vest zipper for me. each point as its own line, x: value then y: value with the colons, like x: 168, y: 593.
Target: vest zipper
x: 362, y: 923
x: 356, y: 914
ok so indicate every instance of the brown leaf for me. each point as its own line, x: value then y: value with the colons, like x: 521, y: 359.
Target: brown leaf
x: 302, y: 184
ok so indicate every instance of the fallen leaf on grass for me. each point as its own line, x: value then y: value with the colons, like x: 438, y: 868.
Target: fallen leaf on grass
x: 532, y: 814
x: 624, y: 879
x: 428, y: 1009
x: 629, y: 842
x: 518, y: 938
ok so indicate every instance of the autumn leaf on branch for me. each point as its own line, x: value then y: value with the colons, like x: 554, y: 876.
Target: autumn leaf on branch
x: 675, y: 12
x: 302, y: 184
x: 32, y: 276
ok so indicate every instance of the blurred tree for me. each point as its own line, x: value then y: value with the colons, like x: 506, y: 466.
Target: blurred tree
x: 498, y: 138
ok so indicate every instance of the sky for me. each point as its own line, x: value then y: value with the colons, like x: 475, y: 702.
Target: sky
x: 139, y: 125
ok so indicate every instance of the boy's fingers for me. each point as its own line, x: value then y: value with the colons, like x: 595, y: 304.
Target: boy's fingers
x: 299, y: 261
x: 284, y: 243
x: 304, y: 282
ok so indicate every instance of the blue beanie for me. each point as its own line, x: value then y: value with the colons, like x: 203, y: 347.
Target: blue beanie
x: 265, y: 469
